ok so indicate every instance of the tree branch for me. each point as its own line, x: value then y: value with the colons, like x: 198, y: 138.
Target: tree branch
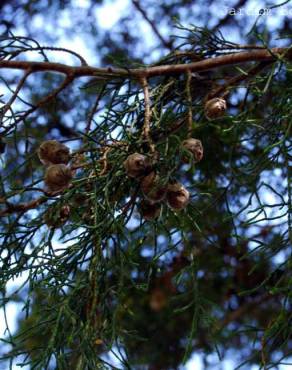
x: 203, y: 65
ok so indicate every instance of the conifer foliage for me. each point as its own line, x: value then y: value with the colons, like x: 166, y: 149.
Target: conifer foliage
x: 157, y: 224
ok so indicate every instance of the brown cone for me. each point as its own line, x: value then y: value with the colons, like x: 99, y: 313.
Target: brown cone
x: 195, y: 147
x: 53, y: 152
x: 152, y: 188
x: 137, y: 165
x: 57, y: 177
x: 215, y: 108
x: 177, y: 196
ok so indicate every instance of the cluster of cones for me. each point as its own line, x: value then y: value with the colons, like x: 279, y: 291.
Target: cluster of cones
x: 55, y: 156
x: 155, y: 191
x: 58, y: 175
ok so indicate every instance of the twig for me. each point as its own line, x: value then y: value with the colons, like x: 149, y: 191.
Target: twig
x: 104, y: 161
x: 165, y: 43
x: 132, y: 201
x: 228, y: 17
x: 69, y: 78
x: 263, y: 352
x: 14, y: 96
x: 51, y: 48
x: 237, y: 79
x: 147, y: 116
x: 189, y: 100
x: 22, y: 207
x: 93, y: 111
x: 248, y: 307
x: 158, y: 136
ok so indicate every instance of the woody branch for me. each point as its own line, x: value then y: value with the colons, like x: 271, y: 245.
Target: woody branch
x: 199, y: 66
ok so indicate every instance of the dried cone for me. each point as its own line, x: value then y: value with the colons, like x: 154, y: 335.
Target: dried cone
x: 177, y: 196
x: 152, y: 188
x: 150, y: 211
x: 195, y: 147
x: 57, y: 218
x: 215, y: 108
x: 53, y: 152
x: 137, y: 165
x: 58, y: 177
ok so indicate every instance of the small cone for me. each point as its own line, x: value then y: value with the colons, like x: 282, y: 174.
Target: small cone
x: 53, y: 152
x: 58, y: 177
x: 137, y: 165
x: 215, y: 108
x: 195, y: 147
x: 177, y: 196
x: 153, y: 190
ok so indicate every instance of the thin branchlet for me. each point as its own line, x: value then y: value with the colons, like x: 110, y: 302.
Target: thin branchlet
x: 147, y: 114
